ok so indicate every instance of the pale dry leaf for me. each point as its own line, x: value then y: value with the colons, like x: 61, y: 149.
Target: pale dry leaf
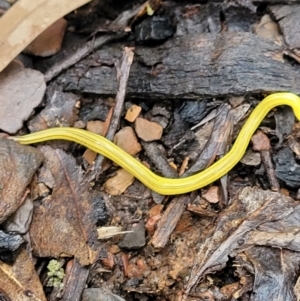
x: 107, y: 232
x: 22, y: 23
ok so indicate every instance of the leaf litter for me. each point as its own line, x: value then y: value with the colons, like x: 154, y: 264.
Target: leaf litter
x: 170, y: 252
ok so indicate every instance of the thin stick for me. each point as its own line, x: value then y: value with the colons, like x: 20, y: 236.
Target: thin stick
x: 122, y: 75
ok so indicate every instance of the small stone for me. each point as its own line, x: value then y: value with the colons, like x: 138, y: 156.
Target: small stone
x: 212, y: 195
x: 147, y: 130
x: 89, y: 156
x: 161, y: 120
x: 118, y: 183
x: 193, y: 111
x: 162, y: 109
x: 95, y: 126
x: 260, y: 141
x: 114, y: 249
x: 126, y: 139
x: 251, y: 158
x: 268, y: 29
x: 49, y: 41
x: 21, y: 90
x: 135, y: 239
x: 79, y: 124
x: 132, y: 113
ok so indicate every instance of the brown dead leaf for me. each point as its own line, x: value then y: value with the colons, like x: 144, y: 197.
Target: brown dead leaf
x: 20, y: 92
x: 20, y: 281
x: 156, y: 210
x: 118, y: 183
x: 49, y: 41
x: 63, y: 223
x: 17, y: 166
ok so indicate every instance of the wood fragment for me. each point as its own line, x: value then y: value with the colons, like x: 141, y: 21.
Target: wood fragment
x: 120, y: 22
x: 213, y: 65
x: 159, y: 160
x: 76, y: 282
x: 218, y: 140
x: 168, y: 221
x: 184, y: 166
x: 123, y: 74
x: 261, y: 143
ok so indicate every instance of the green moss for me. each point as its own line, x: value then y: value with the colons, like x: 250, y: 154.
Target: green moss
x: 56, y: 274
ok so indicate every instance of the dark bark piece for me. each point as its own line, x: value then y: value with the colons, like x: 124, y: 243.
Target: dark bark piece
x: 17, y: 166
x: 197, y: 19
x: 94, y: 110
x: 287, y: 169
x: 76, y: 282
x: 159, y: 160
x: 275, y: 273
x: 156, y: 28
x: 217, y: 143
x: 240, y: 19
x: 179, y: 132
x: 288, y: 17
x: 193, y: 112
x: 119, y: 24
x: 193, y: 66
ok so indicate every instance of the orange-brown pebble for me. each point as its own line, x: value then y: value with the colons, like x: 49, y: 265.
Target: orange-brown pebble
x: 132, y: 113
x: 118, y: 183
x: 95, y: 126
x: 127, y: 140
x: 147, y: 130
x: 212, y: 194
